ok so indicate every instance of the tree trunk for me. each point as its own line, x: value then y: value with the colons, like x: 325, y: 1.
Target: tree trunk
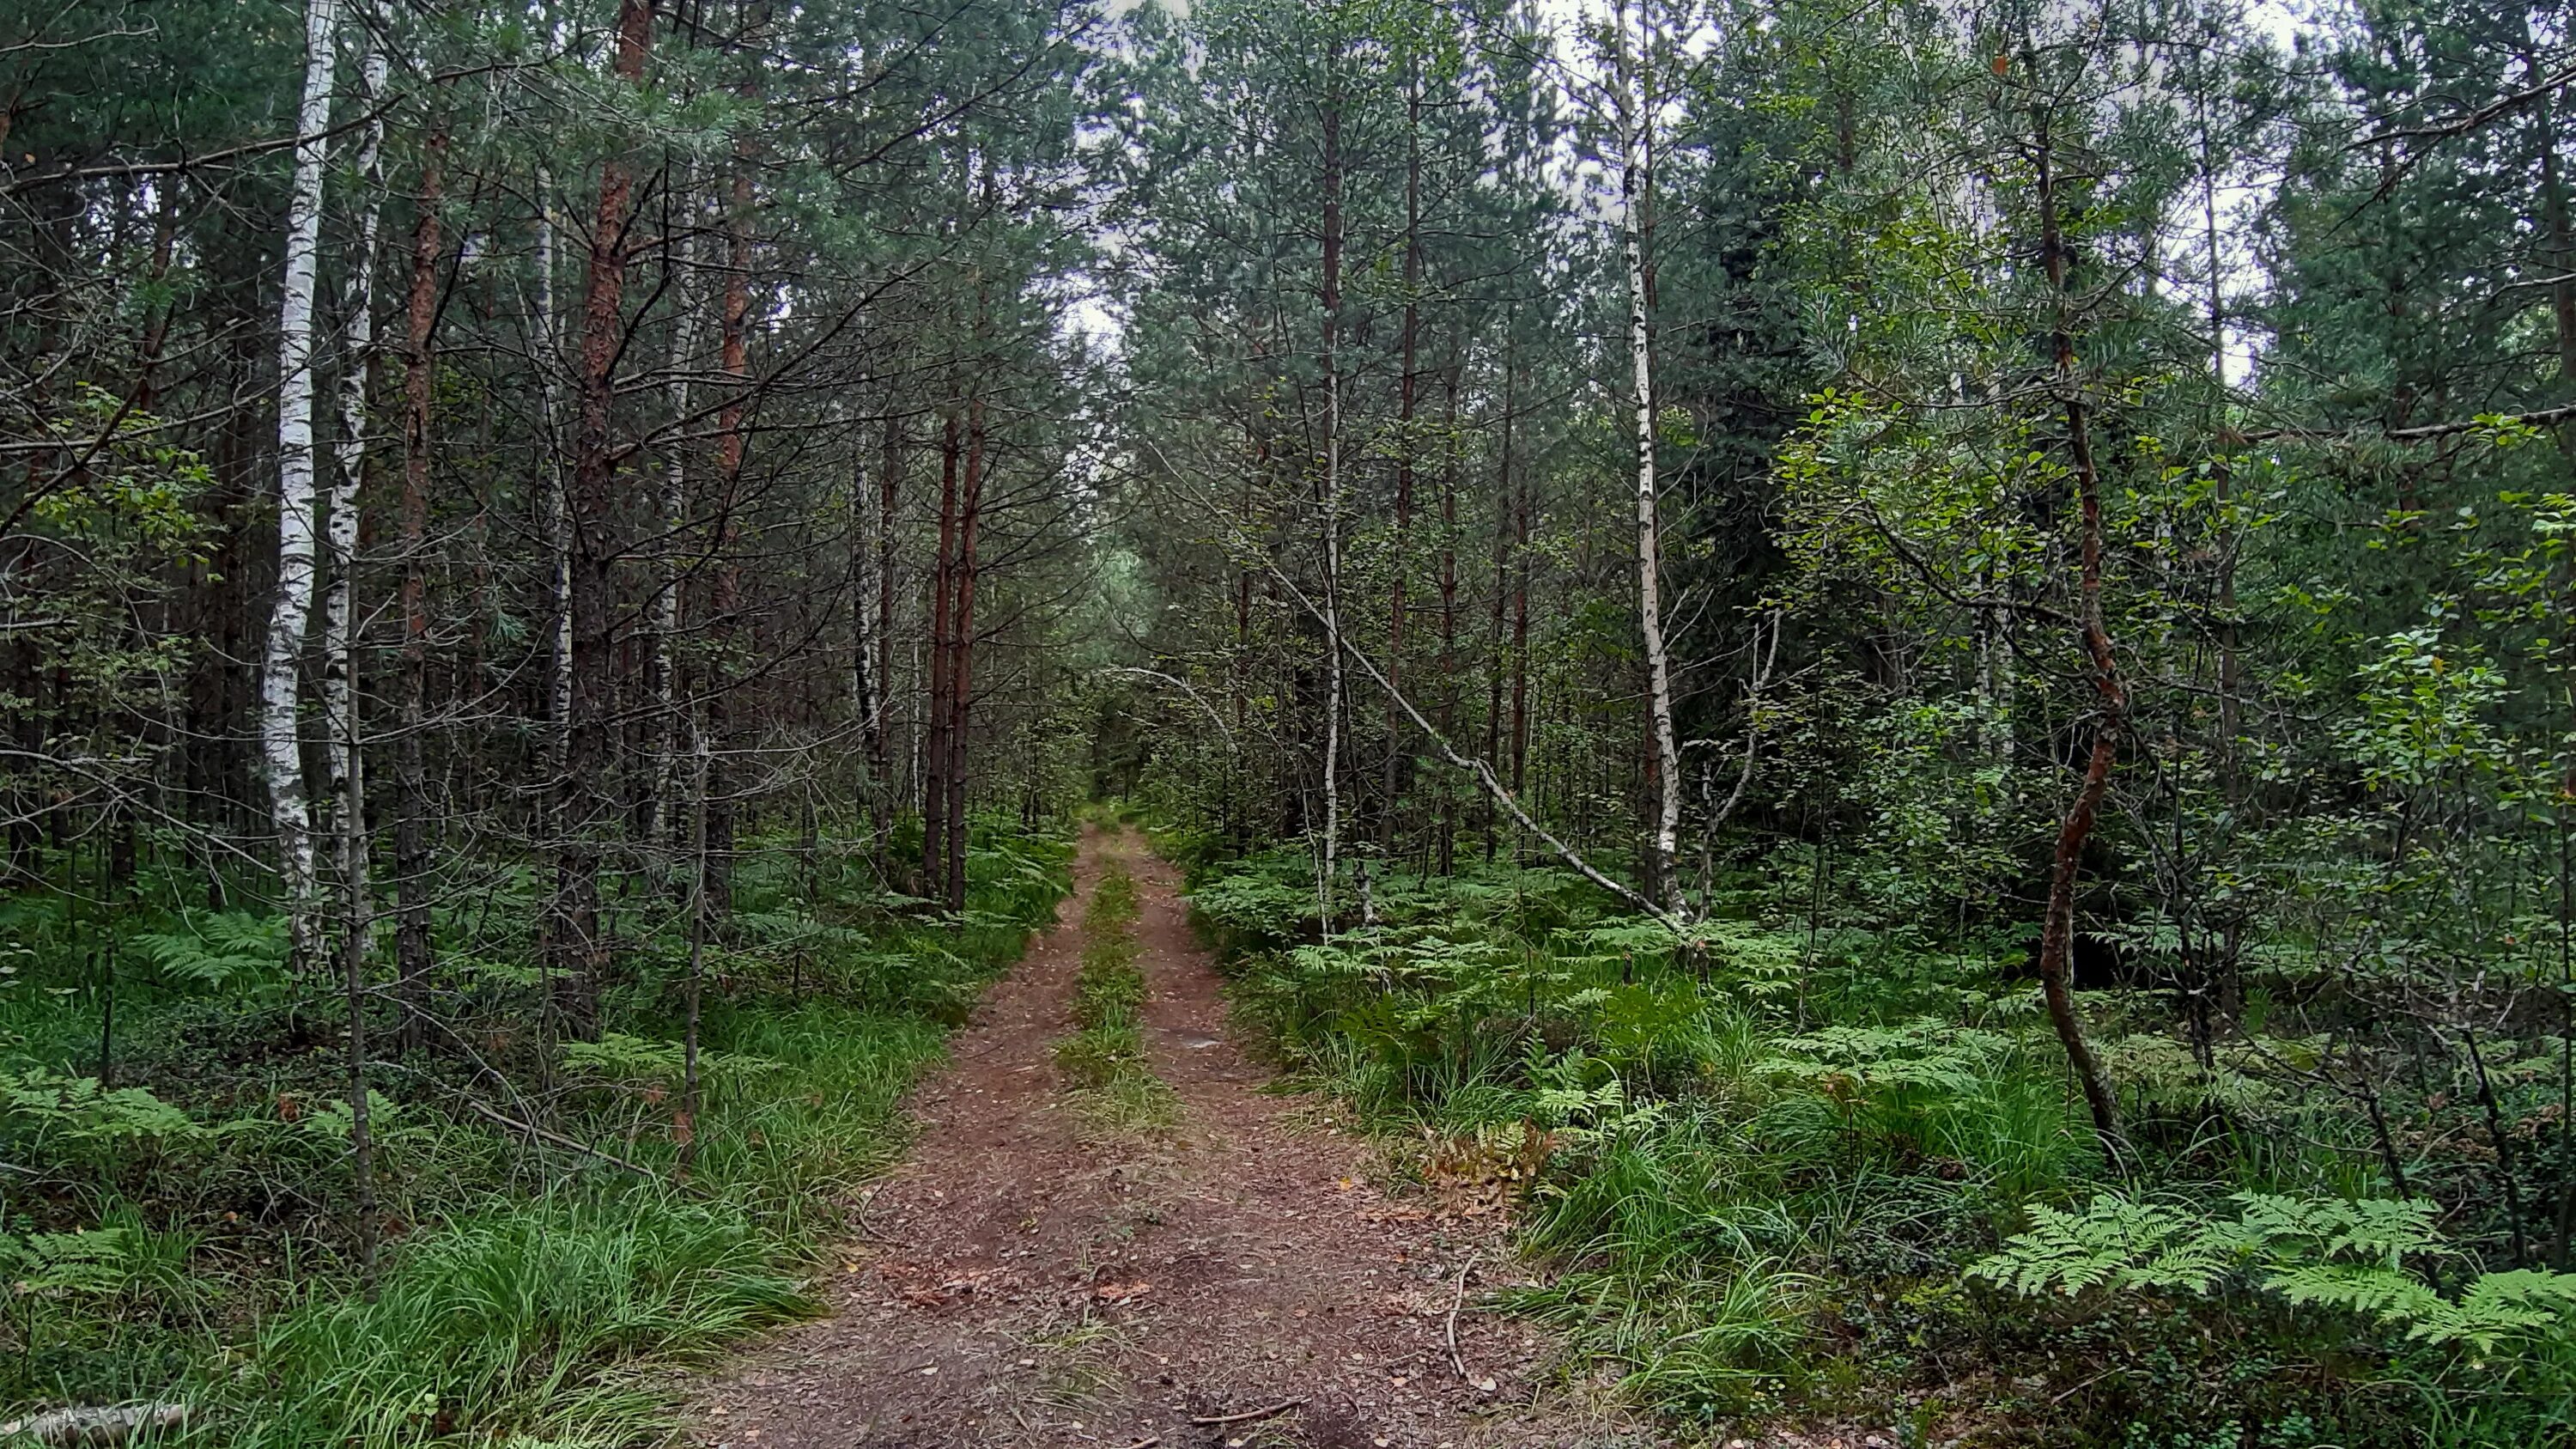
x: 961, y: 669
x: 1332, y: 510
x: 881, y: 704
x: 281, y: 749
x: 340, y: 673
x: 411, y: 785
x: 1636, y: 160
x: 1448, y: 716
x: 726, y: 595
x: 864, y: 527
x: 934, y: 784
x: 662, y: 668
x: 1391, y: 787
x: 584, y: 797
x: 2057, y: 931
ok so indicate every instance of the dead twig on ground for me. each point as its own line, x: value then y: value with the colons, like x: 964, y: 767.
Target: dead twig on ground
x: 95, y: 1426
x: 1456, y: 1361
x: 1248, y: 1415
x: 569, y: 1144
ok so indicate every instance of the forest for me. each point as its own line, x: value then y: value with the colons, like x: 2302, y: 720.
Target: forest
x: 1790, y: 724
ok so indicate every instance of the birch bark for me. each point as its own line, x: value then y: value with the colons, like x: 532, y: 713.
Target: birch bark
x: 281, y: 752
x: 340, y: 672
x: 668, y: 724
x: 1635, y: 104
x: 340, y: 613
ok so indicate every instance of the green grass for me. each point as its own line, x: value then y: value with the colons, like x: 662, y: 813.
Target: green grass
x: 1773, y: 1160
x: 196, y: 1221
x: 1104, y: 1059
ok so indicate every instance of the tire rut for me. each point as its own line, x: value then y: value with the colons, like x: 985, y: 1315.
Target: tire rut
x: 1027, y: 1281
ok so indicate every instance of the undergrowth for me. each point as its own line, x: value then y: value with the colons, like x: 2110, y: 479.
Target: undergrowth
x: 1105, y: 1057
x: 1795, y: 1169
x: 180, y: 1233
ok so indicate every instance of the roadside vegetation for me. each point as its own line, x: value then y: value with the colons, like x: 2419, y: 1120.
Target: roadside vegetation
x: 558, y: 1228
x: 1790, y: 1166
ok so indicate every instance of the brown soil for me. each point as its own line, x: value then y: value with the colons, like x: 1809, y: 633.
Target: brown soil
x: 1028, y: 1279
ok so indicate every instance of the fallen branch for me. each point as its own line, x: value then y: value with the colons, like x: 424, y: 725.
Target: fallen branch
x: 1248, y: 1415
x: 2422, y: 432
x: 570, y: 1144
x: 1183, y: 686
x: 110, y: 1424
x: 1480, y: 769
x: 1456, y: 1360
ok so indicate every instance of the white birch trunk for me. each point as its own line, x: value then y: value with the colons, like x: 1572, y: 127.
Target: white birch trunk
x: 281, y: 755
x: 340, y: 611
x: 557, y: 520
x: 667, y: 725
x: 1636, y: 101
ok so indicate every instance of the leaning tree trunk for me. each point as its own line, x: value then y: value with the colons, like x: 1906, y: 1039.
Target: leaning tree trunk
x: 2057, y: 931
x: 281, y: 749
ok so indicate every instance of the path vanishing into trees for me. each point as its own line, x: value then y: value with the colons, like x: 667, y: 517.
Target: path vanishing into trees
x: 1029, y: 1279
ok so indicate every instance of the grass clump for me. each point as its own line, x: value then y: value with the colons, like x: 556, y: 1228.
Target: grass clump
x: 1104, y: 1059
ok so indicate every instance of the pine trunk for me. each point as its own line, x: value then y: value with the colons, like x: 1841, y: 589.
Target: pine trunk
x: 586, y: 805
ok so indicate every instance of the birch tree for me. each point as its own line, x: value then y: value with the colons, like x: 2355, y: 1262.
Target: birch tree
x: 1633, y: 106
x: 281, y: 751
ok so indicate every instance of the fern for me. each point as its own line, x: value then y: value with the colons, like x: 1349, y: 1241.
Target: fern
x: 1924, y: 1052
x: 2313, y: 1252
x: 89, y: 1262
x: 2113, y: 1243
x: 223, y: 949
x: 622, y: 1060
x: 76, y: 1111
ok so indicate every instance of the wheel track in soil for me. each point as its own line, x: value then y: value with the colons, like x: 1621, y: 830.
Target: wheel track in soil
x: 1026, y: 1281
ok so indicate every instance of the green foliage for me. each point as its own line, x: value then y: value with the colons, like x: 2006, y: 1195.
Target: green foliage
x: 514, y: 1323
x: 179, y: 1231
x: 1919, y: 1053
x: 2320, y: 1253
x: 225, y: 950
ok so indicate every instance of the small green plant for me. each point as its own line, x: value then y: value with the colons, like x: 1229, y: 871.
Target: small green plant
x: 1105, y: 1057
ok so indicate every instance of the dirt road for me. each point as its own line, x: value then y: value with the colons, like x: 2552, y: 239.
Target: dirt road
x: 1029, y: 1280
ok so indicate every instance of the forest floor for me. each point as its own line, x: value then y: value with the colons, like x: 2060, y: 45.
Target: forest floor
x: 1030, y: 1277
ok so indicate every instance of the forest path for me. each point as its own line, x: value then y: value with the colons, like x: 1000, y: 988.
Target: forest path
x: 1030, y: 1280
